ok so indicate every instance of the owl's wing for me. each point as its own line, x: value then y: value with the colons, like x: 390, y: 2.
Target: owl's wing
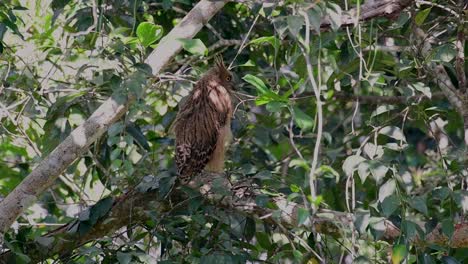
x: 197, y: 128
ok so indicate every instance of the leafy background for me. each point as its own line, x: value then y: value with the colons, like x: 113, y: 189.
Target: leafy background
x: 403, y: 161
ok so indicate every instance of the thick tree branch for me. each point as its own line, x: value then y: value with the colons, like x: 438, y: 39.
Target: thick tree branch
x: 42, y: 177
x: 132, y: 209
x: 369, y: 10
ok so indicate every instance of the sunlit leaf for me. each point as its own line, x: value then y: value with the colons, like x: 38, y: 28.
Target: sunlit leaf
x: 351, y: 164
x: 421, y: 16
x: 194, y: 46
x: 399, y: 253
x: 422, y: 88
x: 387, y: 189
x: 148, y: 33
x: 393, y: 132
x: 257, y: 83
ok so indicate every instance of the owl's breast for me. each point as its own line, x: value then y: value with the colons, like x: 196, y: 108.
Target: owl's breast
x: 221, y: 99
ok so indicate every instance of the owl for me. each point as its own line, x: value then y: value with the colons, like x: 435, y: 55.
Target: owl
x: 202, y: 126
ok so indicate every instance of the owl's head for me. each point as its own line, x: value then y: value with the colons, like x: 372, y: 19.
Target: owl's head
x: 225, y: 76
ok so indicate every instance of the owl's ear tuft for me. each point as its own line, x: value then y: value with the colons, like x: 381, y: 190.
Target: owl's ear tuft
x: 219, y: 62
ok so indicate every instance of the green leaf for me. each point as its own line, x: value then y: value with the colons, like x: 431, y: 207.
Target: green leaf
x: 387, y: 189
x: 419, y: 203
x: 137, y: 134
x: 334, y: 13
x: 351, y: 164
x: 378, y: 170
x: 115, y: 129
x: 315, y: 17
x: 421, y: 16
x: 419, y: 86
x: 249, y: 229
x: 390, y: 204
x: 275, y: 106
x: 393, y: 132
x: 448, y: 227
x: 399, y: 253
x: 362, y: 220
x: 382, y: 109
x: 148, y: 33
x: 363, y: 171
x: 295, y: 24
x: 124, y: 258
x: 304, y: 121
x: 441, y: 193
x: 263, y: 175
x: 329, y: 172
x: 298, y: 255
x: 265, y: 95
x: 270, y: 39
x: 295, y: 188
x: 257, y: 83
x: 263, y: 240
x: 444, y: 53
x: 402, y: 20
x: 100, y: 209
x: 373, y: 151
x: 194, y: 46
x: 302, y: 215
x: 409, y: 228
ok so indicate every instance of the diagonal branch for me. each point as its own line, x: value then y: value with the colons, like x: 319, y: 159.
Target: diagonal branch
x: 42, y: 177
x: 131, y: 209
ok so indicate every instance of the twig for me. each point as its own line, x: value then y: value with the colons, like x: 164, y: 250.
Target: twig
x: 305, y: 51
x: 242, y: 46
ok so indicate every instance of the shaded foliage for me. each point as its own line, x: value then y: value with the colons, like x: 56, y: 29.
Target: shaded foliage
x: 403, y: 162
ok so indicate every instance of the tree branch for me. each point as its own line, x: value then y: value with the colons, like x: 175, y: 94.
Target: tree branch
x: 131, y: 209
x: 42, y: 177
x: 397, y: 99
x: 369, y: 10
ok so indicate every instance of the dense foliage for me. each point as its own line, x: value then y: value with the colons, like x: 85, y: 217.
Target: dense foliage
x: 402, y: 160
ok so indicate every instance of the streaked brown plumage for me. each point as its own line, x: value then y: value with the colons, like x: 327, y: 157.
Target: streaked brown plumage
x: 203, y: 124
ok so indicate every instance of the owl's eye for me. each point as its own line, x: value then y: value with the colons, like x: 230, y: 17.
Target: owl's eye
x: 229, y: 78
